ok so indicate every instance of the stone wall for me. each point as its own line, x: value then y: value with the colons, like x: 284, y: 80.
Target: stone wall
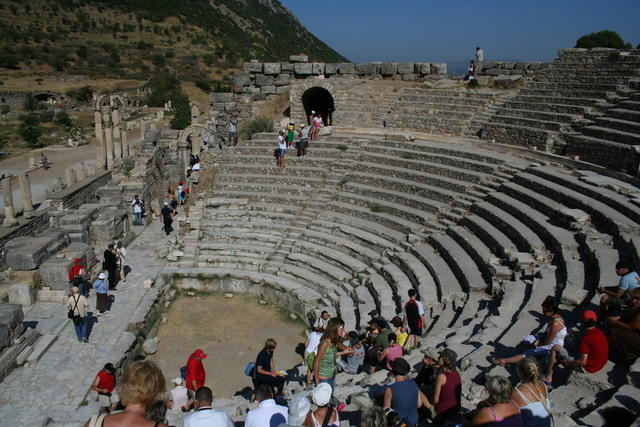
x: 13, y: 99
x: 80, y: 193
x: 29, y: 227
x: 501, y: 68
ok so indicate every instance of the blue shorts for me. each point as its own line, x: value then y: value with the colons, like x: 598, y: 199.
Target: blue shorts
x: 538, y: 352
x: 282, y: 151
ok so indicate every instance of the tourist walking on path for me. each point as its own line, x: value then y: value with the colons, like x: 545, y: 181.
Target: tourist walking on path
x: 76, y: 277
x: 503, y: 411
x: 78, y: 304
x: 303, y: 142
x: 265, y: 368
x: 121, y: 252
x: 479, y: 61
x: 205, y: 415
x: 403, y: 396
x: 137, y: 210
x: 167, y: 218
x: 414, y: 318
x: 281, y: 150
x: 104, y: 384
x: 331, y: 347
x: 102, y: 295
x: 142, y: 385
x: 268, y: 413
x: 195, y: 375
x: 180, y: 193
x: 532, y: 395
x: 232, y: 131
x: 110, y: 263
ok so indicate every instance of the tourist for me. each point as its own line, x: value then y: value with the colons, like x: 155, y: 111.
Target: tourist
x: 414, y: 318
x: 373, y: 416
x: 121, y: 253
x: 532, y: 395
x: 291, y: 132
x: 400, y: 331
x: 102, y: 296
x: 479, y: 61
x: 471, y: 70
x: 310, y: 350
x: 616, y: 296
x: 137, y: 210
x: 142, y: 385
x: 355, y: 362
x: 331, y: 346
x: 78, y: 304
x: 265, y: 368
x: 403, y: 396
x: 390, y: 353
x: 375, y: 316
x: 157, y: 412
x: 205, y: 415
x: 268, y: 413
x: 426, y: 378
x: 502, y: 410
x: 303, y: 142
x: 104, y: 384
x: 282, y: 149
x: 321, y: 322
x: 178, y: 396
x: 380, y: 328
x: 77, y: 277
x: 180, y: 193
x: 594, y: 350
x: 195, y: 374
x: 167, y: 218
x: 447, y: 390
x: 173, y: 199
x: 195, y: 171
x: 554, y: 335
x: 324, y: 415
x: 110, y: 263
x: 232, y: 131
x: 299, y: 408
x: 624, y: 332
x: 317, y: 124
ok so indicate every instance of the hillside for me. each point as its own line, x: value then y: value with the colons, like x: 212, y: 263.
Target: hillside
x: 195, y: 39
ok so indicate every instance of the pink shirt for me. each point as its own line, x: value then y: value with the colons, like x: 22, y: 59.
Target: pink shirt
x: 317, y: 122
x: 394, y: 352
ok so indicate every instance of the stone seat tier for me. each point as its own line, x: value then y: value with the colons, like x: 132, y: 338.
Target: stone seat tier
x: 588, y: 94
x: 323, y: 143
x: 268, y: 161
x: 431, y: 179
x: 570, y: 73
x: 440, y: 99
x: 247, y: 215
x: 400, y: 185
x: 461, y: 151
x: 293, y: 170
x: 257, y: 194
x: 624, y: 114
x: 418, y: 274
x: 611, y: 154
x: 247, y: 178
x: 562, y: 242
x: 495, y: 239
x: 538, y: 202
x: 318, y: 265
x: 354, y: 249
x: 322, y: 149
x: 615, y: 200
x: 503, y: 117
x: 555, y: 76
x: 411, y: 164
x: 275, y: 207
x: 630, y: 104
x: 247, y: 235
x: 364, y: 238
x: 564, y: 85
x: 368, y: 226
x: 360, y: 206
x: 382, y: 294
x: 476, y: 248
x: 438, y: 125
x: 335, y: 256
x: 398, y: 281
x: 605, y: 257
x: 429, y: 114
x: 612, y: 134
x: 365, y: 303
x: 451, y: 93
x: 602, y: 215
x: 538, y: 115
x: 570, y: 110
x: 617, y: 66
x: 557, y: 99
x: 434, y: 158
x: 467, y: 273
x: 525, y: 238
x: 508, y: 134
x: 250, y: 247
x: 436, y: 106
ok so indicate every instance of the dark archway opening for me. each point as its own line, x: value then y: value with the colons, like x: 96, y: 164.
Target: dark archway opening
x: 45, y: 97
x: 319, y: 100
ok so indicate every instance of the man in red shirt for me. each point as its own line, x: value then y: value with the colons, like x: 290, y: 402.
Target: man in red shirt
x: 195, y: 370
x: 594, y: 350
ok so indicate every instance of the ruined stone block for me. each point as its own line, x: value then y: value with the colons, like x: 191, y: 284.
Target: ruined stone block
x: 11, y: 317
x: 286, y: 67
x: 494, y: 72
x: 268, y: 90
x: 221, y: 97
x: 534, y: 66
x: 239, y: 80
x: 21, y: 293
x: 252, y: 67
x: 366, y: 69
x: 283, y: 80
x: 262, y: 80
x: 272, y: 68
x: 389, y: 68
x: 303, y: 69
x: 330, y: 69
x: 438, y: 68
x: 282, y: 89
x: 298, y: 58
x: 54, y: 271
x: 508, y: 82
x: 152, y: 135
x: 318, y: 68
x: 405, y: 68
x: 409, y: 77
x: 346, y: 68
x: 27, y: 253
x: 423, y: 68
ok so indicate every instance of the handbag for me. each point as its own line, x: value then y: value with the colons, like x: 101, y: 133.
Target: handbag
x: 71, y: 314
x: 248, y: 371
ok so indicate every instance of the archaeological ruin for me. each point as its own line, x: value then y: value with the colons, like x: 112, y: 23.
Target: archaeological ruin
x: 486, y: 199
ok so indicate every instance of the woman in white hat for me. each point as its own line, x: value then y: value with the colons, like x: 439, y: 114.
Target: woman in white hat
x: 102, y: 297
x: 324, y: 415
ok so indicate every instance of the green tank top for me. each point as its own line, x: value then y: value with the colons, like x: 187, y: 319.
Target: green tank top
x: 327, y: 365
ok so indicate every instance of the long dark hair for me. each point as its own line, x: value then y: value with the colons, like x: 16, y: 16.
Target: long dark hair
x: 331, y: 331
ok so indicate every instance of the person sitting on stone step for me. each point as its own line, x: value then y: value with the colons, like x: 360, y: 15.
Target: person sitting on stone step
x: 624, y: 332
x: 616, y: 296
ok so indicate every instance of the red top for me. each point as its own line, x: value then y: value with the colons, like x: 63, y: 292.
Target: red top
x: 449, y: 393
x: 594, y: 344
x: 75, y: 271
x: 195, y: 372
x: 107, y: 381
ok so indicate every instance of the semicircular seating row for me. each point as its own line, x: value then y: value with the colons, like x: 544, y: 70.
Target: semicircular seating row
x: 359, y: 222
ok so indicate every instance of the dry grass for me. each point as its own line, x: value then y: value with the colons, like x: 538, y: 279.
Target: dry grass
x: 50, y: 83
x: 274, y: 108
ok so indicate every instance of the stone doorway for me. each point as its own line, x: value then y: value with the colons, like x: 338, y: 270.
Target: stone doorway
x: 318, y: 99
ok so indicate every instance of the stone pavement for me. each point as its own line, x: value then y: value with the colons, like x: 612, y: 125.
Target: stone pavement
x: 56, y: 386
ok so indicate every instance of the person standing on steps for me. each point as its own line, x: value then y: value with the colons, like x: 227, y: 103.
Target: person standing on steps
x: 303, y: 143
x: 282, y: 149
x: 479, y: 61
x: 195, y: 371
x: 76, y: 277
x: 414, y: 318
x: 110, y: 263
x: 78, y: 304
x: 167, y: 218
x: 291, y: 133
x: 232, y: 130
x: 137, y: 210
x: 102, y: 295
x: 121, y: 252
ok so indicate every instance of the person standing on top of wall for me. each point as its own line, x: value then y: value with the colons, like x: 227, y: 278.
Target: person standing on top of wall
x: 479, y: 60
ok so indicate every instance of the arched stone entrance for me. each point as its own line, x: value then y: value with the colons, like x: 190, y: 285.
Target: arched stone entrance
x: 320, y: 100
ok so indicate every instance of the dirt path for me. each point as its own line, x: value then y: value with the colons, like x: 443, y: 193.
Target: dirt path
x: 231, y: 331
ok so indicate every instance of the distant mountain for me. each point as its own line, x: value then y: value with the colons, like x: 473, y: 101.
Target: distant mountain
x: 130, y: 38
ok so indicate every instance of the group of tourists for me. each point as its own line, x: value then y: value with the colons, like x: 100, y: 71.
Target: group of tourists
x: 475, y: 66
x: 286, y: 138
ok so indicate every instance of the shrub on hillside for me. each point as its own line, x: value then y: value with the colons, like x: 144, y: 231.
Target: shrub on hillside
x: 30, y: 129
x: 205, y: 85
x: 605, y: 38
x: 81, y: 94
x: 31, y: 103
x: 182, y: 111
x: 63, y: 119
x: 257, y: 125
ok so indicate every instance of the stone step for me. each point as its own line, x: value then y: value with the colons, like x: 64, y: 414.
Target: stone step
x: 248, y: 178
x: 365, y: 302
x: 570, y: 73
x: 570, y: 110
x: 516, y: 135
x: 366, y: 225
x: 558, y: 99
x: 613, y: 155
x: 495, y: 239
x: 620, y: 125
x: 344, y: 264
x: 461, y: 264
x: 570, y: 77
x: 398, y: 281
x: 588, y: 94
x: 476, y: 248
x: 445, y: 149
x: 554, y: 85
x: 416, y: 176
x: 624, y: 114
x: 356, y: 250
x: 502, y: 117
x: 537, y: 115
x: 374, y: 241
x: 261, y: 188
x: 418, y: 274
x: 437, y: 266
x: 432, y: 197
x: 348, y: 310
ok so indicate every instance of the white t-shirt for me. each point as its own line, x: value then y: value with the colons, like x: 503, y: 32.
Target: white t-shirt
x: 179, y: 397
x: 281, y: 143
x: 196, y: 167
x: 137, y: 207
x: 313, y: 343
x: 266, y: 415
x: 480, y: 55
x: 207, y: 418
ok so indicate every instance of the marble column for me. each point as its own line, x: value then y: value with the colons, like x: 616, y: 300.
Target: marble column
x: 9, y: 212
x: 143, y: 127
x: 27, y: 202
x: 81, y: 171
x: 70, y: 176
x: 108, y: 136
x: 124, y: 138
x: 101, y: 153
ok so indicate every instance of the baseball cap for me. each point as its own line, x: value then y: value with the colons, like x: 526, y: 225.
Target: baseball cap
x: 589, y: 315
x: 199, y: 353
x: 373, y: 313
x: 102, y: 276
x: 177, y: 381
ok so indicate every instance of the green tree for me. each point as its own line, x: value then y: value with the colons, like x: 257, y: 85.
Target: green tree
x: 162, y: 87
x: 182, y: 111
x: 63, y: 119
x: 81, y: 94
x: 30, y: 129
x: 31, y: 103
x: 605, y: 38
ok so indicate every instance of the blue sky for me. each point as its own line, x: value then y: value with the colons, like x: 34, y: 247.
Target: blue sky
x: 443, y: 30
